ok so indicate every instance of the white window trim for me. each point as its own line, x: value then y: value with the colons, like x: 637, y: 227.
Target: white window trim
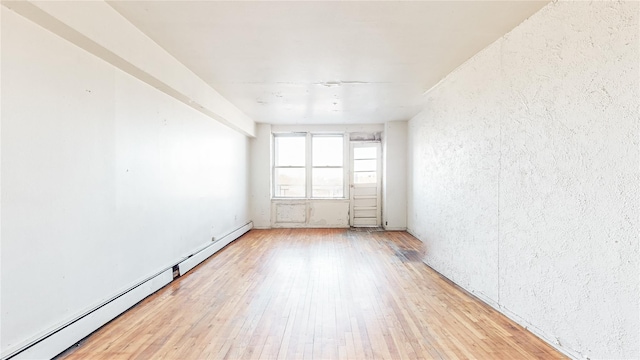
x: 273, y: 165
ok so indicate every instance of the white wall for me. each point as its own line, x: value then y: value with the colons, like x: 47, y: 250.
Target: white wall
x: 99, y: 29
x: 261, y: 177
x: 310, y: 213
x: 105, y: 181
x: 524, y: 170
x: 394, y: 182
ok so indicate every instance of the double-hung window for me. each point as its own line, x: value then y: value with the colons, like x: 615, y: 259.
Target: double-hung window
x: 289, y: 170
x: 308, y: 165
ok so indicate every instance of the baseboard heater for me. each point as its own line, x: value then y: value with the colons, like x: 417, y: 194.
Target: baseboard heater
x: 56, y: 341
x: 212, y: 248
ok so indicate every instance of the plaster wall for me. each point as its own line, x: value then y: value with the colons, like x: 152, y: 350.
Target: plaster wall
x: 261, y: 177
x: 524, y: 172
x: 129, y: 49
x: 310, y: 213
x: 105, y: 181
x: 347, y: 128
x: 394, y: 181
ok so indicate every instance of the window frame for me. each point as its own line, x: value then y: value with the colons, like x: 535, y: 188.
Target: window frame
x: 274, y: 166
x: 308, y: 166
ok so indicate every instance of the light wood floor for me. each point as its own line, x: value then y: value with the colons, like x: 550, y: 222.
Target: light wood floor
x: 313, y: 294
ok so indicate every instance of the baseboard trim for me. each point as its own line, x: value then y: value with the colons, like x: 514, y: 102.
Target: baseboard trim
x: 510, y: 315
x: 58, y: 340
x: 415, y: 236
x: 506, y: 312
x: 392, y: 228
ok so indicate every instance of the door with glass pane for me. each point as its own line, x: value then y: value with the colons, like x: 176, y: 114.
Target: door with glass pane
x: 365, y: 185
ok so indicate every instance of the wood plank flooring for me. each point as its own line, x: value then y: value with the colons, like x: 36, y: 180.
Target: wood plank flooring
x: 313, y: 294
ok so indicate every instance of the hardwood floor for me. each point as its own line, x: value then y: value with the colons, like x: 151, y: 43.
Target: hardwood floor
x: 313, y: 294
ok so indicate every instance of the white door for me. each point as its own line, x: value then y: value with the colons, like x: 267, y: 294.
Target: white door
x: 365, y: 184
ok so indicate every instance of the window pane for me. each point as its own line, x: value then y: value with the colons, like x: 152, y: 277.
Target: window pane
x: 364, y: 165
x: 327, y: 183
x: 289, y: 150
x: 364, y: 177
x: 327, y: 150
x: 289, y: 182
x: 365, y: 153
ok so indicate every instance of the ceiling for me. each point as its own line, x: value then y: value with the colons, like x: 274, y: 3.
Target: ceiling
x: 325, y: 62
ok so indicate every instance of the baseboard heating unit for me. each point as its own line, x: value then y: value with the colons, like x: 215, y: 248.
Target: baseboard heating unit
x: 61, y: 338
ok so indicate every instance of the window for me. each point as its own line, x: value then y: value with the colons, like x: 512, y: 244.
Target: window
x: 308, y: 164
x: 289, y: 171
x: 327, y: 173
x: 365, y: 161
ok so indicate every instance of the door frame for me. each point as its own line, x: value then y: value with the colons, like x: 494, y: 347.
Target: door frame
x: 378, y: 146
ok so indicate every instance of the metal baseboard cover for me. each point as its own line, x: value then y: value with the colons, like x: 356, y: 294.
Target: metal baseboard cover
x: 203, y: 254
x: 56, y: 341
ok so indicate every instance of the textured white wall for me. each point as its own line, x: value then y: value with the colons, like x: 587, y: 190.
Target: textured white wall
x: 524, y: 176
x: 105, y: 181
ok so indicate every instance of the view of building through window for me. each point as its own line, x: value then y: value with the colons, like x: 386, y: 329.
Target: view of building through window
x: 290, y: 169
x: 364, y: 165
x: 327, y: 173
x: 317, y: 170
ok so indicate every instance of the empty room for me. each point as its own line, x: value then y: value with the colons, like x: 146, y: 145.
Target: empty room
x: 319, y: 179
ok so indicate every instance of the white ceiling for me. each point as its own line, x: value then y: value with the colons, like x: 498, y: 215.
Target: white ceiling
x: 326, y: 62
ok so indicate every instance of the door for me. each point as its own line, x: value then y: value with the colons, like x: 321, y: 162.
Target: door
x: 365, y: 185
